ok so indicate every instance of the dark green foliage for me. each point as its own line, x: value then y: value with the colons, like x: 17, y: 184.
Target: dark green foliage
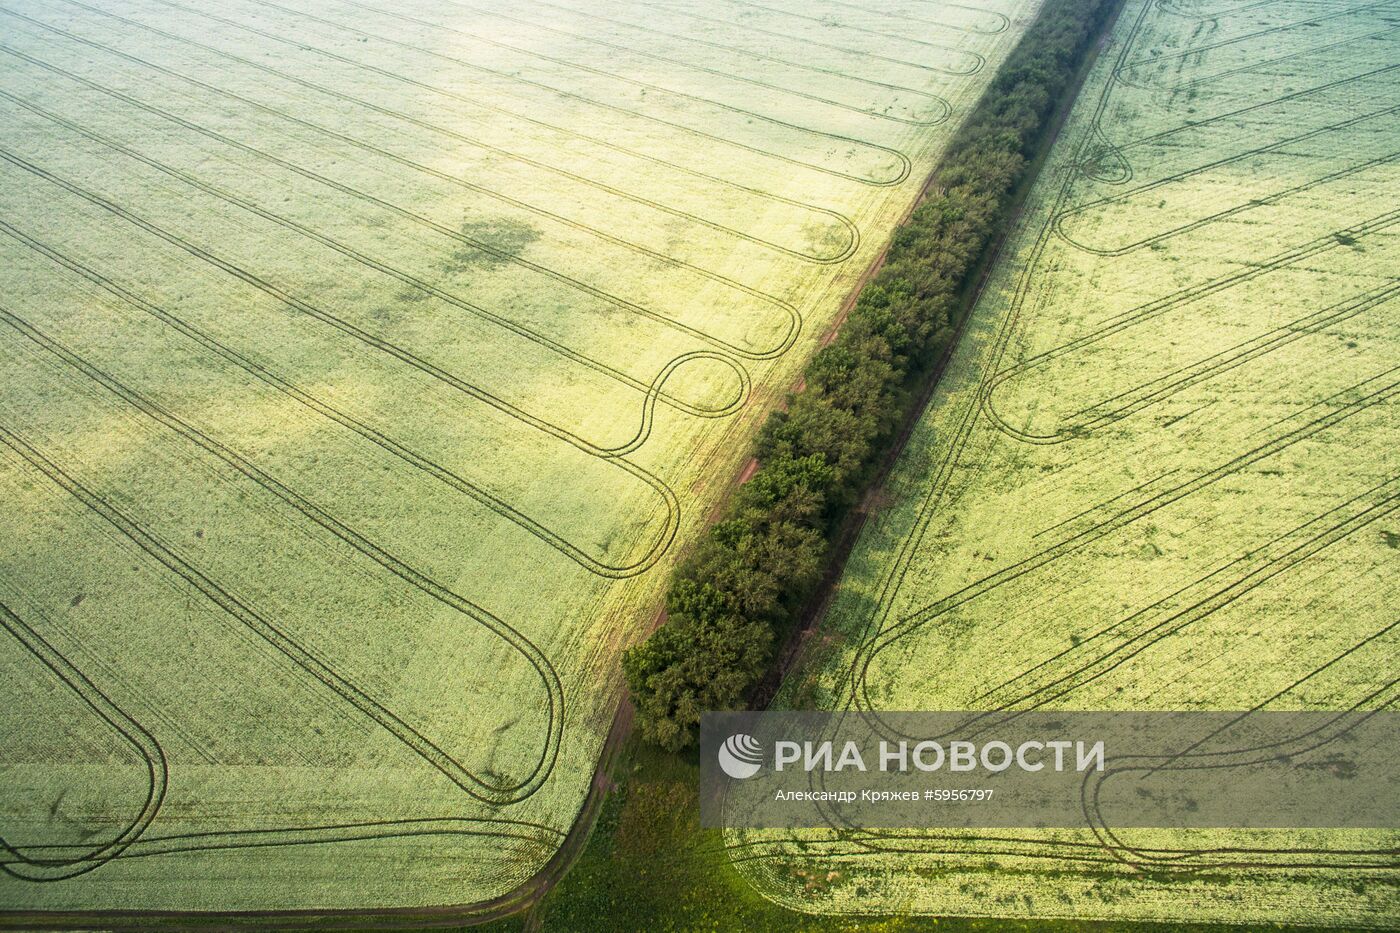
x: 756, y: 568
x: 691, y: 665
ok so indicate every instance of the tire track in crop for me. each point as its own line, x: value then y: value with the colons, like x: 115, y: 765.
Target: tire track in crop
x: 1170, y: 7
x: 1382, y: 697
x: 1326, y: 858
x: 1364, y: 397
x: 991, y: 371
x: 1117, y: 151
x: 1189, y: 861
x: 901, y: 158
x: 905, y: 165
x: 1247, y: 205
x: 1120, y: 73
x: 594, y: 140
x: 842, y: 220
x: 852, y: 237
x: 648, y: 389
x: 318, y: 405
x: 1141, y: 487
x: 546, y: 837
x: 846, y: 251
x: 786, y: 309
x: 877, y: 634
x: 852, y: 232
x: 1070, y: 852
x: 56, y: 862
x: 55, y: 867
x: 1168, y: 616
x: 1252, y: 66
x: 1048, y: 850
x: 850, y: 684
x: 652, y: 391
x: 778, y: 305
x: 148, y: 541
x: 642, y: 431
x: 839, y: 218
x: 1167, y: 6
x: 1152, y: 309
x: 875, y: 843
x: 1001, y: 20
x: 606, y: 453
x: 736, y: 50
x: 944, y: 108
x: 1130, y: 401
x: 1056, y: 851
x: 169, y: 557
x: 1121, y: 170
x: 1171, y: 615
x: 616, y: 456
x: 978, y: 61
x: 1155, y: 308
x: 1134, y: 400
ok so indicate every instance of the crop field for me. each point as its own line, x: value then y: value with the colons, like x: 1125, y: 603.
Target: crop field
x: 363, y: 368
x: 1161, y: 472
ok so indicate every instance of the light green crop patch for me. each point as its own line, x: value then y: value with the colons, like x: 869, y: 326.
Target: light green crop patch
x: 363, y: 368
x: 1160, y: 473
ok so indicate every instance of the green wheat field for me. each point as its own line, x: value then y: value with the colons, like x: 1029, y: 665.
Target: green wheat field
x: 1161, y: 473
x: 364, y: 367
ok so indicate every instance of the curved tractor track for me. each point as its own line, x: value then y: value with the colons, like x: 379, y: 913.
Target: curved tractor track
x: 749, y: 143
x: 1101, y: 168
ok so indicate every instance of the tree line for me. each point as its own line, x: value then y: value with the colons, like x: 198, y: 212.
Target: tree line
x: 754, y: 570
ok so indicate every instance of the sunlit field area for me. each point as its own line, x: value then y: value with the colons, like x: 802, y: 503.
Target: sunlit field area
x: 1161, y: 473
x: 364, y: 367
